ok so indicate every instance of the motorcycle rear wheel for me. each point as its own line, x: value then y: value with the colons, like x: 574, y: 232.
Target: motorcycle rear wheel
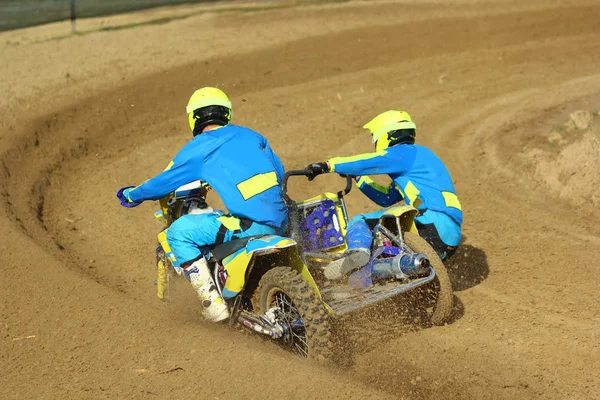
x: 438, y: 291
x: 303, y: 312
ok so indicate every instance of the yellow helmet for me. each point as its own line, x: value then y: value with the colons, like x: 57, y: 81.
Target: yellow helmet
x: 208, y: 106
x: 384, y: 129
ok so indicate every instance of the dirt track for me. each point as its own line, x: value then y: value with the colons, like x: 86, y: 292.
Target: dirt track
x: 486, y: 83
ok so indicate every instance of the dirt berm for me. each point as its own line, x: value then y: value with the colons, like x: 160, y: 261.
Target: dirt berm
x: 490, y: 85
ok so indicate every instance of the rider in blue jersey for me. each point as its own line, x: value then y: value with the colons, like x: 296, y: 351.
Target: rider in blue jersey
x: 418, y: 177
x: 241, y: 167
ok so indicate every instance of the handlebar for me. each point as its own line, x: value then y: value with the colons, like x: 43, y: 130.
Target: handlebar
x: 301, y: 172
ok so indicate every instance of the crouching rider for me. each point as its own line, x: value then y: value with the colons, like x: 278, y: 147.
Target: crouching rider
x: 417, y: 176
x: 241, y: 167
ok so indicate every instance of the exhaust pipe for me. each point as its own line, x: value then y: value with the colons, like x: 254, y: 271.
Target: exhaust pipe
x: 260, y: 325
x: 402, y: 267
x: 411, y: 265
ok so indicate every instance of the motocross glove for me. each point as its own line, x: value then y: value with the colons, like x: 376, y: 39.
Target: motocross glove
x: 314, y: 169
x: 123, y: 196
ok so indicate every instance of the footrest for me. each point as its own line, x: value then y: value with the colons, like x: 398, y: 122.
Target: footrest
x: 316, y: 255
x: 343, y: 298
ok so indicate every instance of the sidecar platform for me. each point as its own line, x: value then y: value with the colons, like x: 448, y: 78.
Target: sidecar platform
x: 343, y: 298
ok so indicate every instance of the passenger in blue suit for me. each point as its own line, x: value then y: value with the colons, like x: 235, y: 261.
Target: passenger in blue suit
x: 418, y: 177
x: 241, y: 167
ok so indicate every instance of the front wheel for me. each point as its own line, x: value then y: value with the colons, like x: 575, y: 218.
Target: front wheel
x: 299, y: 310
x: 436, y: 295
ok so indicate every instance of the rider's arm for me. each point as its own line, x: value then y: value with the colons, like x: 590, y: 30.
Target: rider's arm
x: 181, y: 170
x: 384, y: 196
x: 377, y: 163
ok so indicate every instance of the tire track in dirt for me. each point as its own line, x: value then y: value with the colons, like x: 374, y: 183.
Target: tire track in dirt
x: 504, y: 342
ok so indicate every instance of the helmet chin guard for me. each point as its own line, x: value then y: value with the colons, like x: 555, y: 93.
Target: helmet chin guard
x: 211, y: 115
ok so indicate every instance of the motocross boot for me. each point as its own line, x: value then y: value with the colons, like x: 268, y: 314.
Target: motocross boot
x: 359, y: 238
x: 214, y: 308
x: 355, y: 259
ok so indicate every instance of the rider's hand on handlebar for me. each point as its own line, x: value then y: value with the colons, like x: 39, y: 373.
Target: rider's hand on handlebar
x: 314, y: 169
x: 123, y: 196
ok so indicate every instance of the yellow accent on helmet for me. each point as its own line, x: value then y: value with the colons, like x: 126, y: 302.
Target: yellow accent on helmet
x: 386, y: 122
x: 204, y: 97
x: 191, y: 121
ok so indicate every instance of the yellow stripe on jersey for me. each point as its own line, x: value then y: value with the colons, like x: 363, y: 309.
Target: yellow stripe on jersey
x: 411, y: 192
x: 257, y: 184
x: 360, y: 157
x: 451, y: 200
x: 373, y: 184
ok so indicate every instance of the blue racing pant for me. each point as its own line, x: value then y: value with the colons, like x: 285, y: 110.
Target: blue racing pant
x: 191, y: 235
x: 438, y: 229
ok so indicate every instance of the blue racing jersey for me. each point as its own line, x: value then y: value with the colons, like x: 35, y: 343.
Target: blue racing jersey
x: 384, y: 196
x: 418, y: 176
x: 240, y: 166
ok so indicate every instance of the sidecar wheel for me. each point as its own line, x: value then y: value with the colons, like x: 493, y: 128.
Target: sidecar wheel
x: 302, y: 311
x: 439, y: 291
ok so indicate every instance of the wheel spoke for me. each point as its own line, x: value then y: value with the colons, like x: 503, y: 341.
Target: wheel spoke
x: 291, y: 316
x: 301, y: 350
x: 302, y: 339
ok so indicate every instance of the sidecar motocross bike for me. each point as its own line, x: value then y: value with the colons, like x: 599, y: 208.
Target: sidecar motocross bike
x: 275, y: 286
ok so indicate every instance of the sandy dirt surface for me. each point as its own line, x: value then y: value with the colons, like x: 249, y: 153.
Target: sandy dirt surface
x: 507, y: 93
